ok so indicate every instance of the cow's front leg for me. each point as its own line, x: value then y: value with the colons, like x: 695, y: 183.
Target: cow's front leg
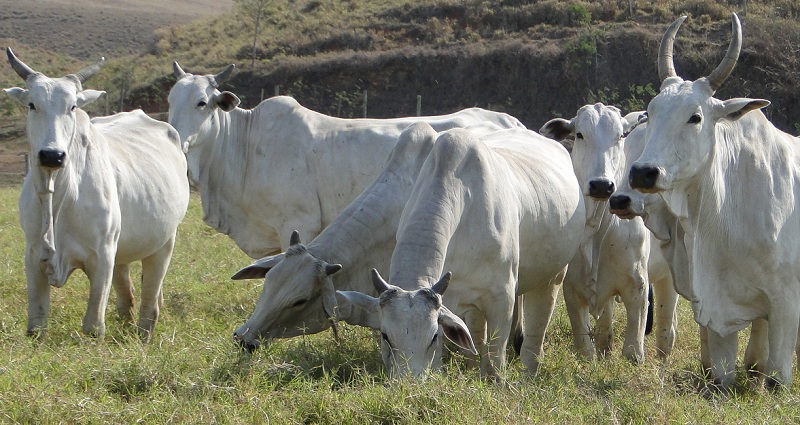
x: 38, y: 295
x: 722, y: 351
x: 499, y: 315
x: 578, y: 312
x: 783, y: 320
x: 666, y: 300
x: 100, y: 272
x: 757, y: 352
x: 124, y: 288
x: 635, y: 300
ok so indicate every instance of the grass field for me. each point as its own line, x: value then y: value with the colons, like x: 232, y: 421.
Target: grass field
x: 192, y: 373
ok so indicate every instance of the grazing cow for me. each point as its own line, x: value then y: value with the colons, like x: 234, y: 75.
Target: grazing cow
x: 668, y: 240
x: 100, y: 194
x: 503, y: 212
x: 621, y: 262
x: 299, y: 284
x: 277, y: 167
x: 732, y: 180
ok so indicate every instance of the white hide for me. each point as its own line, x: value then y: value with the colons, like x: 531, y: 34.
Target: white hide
x: 118, y: 197
x: 504, y: 213
x: 616, y: 259
x: 731, y: 178
x: 266, y: 171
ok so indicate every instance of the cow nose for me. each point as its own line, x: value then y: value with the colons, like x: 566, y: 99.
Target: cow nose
x: 51, y: 158
x: 601, y: 188
x: 244, y: 345
x: 643, y: 177
x: 619, y: 202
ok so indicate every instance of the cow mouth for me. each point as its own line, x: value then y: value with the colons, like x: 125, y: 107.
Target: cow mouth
x: 624, y: 214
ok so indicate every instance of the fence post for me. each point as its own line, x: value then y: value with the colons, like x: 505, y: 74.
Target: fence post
x: 365, y: 103
x: 277, y: 89
x: 419, y: 105
x: 262, y: 94
x: 27, y: 164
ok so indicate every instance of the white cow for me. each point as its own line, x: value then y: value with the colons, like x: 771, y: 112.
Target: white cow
x: 299, y: 284
x: 99, y: 195
x: 503, y: 212
x: 668, y: 240
x: 732, y: 180
x: 266, y: 171
x: 616, y: 259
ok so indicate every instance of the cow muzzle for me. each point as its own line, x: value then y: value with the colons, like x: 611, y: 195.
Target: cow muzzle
x: 620, y: 205
x: 52, y: 158
x: 644, y: 178
x: 601, y: 188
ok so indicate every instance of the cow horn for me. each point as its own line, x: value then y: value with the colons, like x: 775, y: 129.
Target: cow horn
x: 723, y: 70
x: 20, y: 68
x: 666, y: 68
x: 177, y: 71
x: 219, y: 78
x: 90, y: 70
x: 441, y: 286
x: 380, y: 285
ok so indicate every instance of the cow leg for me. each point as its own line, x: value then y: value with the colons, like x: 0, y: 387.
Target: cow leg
x: 722, y: 351
x: 476, y: 323
x: 498, y: 326
x: 537, y: 311
x: 666, y: 300
x: 757, y: 352
x: 578, y: 312
x: 705, y: 353
x: 124, y: 289
x: 154, y: 268
x: 100, y: 272
x: 38, y: 296
x: 783, y: 320
x: 604, y: 332
x: 635, y: 300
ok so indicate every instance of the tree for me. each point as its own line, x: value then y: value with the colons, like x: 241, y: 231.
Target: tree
x: 256, y: 11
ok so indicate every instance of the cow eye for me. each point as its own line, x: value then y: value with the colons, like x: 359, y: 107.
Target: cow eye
x: 298, y: 303
x: 202, y: 104
x: 694, y: 119
x: 31, y: 107
x: 73, y: 108
x: 579, y: 135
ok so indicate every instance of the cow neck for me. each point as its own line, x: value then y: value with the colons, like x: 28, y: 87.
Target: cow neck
x: 222, y: 167
x: 363, y: 235
x: 422, y: 241
x: 58, y: 183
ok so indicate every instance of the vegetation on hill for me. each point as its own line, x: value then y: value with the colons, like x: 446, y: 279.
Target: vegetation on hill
x: 533, y: 59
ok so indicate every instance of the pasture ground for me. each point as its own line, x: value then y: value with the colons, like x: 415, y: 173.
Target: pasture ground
x: 192, y: 373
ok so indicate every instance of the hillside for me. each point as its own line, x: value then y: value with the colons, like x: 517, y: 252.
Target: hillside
x: 532, y: 59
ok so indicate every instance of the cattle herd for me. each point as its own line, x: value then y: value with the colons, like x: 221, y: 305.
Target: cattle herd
x: 476, y: 221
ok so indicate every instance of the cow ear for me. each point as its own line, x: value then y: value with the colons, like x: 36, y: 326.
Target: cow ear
x: 346, y: 300
x: 258, y: 269
x: 557, y: 129
x: 733, y: 109
x: 456, y: 330
x: 18, y: 94
x: 226, y: 101
x: 86, y: 97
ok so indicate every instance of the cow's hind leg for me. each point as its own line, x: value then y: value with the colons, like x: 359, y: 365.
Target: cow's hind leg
x: 124, y: 288
x: 38, y: 295
x: 538, y: 310
x: 154, y: 268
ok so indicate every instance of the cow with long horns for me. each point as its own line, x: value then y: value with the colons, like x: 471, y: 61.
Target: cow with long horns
x: 733, y: 181
x: 99, y: 195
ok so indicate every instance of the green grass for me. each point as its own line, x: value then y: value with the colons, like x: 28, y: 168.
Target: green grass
x: 192, y: 373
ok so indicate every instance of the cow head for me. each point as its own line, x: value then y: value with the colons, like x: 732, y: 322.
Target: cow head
x: 684, y: 119
x: 195, y: 100
x: 53, y: 105
x: 597, y: 152
x: 410, y: 323
x: 298, y: 296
